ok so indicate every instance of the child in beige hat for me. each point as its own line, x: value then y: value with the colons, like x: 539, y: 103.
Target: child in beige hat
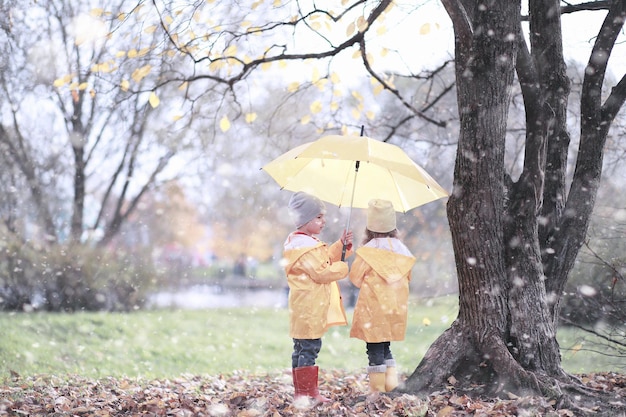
x: 382, y: 271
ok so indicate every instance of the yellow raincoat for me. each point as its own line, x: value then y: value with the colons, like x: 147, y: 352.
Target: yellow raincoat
x: 382, y: 270
x: 313, y: 269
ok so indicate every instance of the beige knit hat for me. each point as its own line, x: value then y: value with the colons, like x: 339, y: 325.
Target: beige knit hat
x: 381, y: 217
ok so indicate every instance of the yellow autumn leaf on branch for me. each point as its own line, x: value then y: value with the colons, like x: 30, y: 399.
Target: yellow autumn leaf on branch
x: 60, y: 82
x: 321, y: 84
x: 184, y: 85
x: 381, y: 30
x: 356, y: 114
x: 293, y: 86
x: 140, y: 73
x: 125, y: 85
x: 426, y: 321
x: 215, y: 66
x: 350, y: 29
x: 224, y: 124
x: 177, y: 117
x: 276, y: 3
x: 305, y: 120
x: 82, y: 86
x: 370, y: 115
x: 250, y: 117
x: 97, y: 12
x: 132, y: 53
x: 334, y: 106
x: 154, y: 100
x: 315, y: 76
x: 361, y: 23
x: 356, y: 54
x: 104, y: 67
x: 231, y: 50
x: 425, y: 29
x: 150, y: 29
x: 266, y: 66
x: 334, y: 78
x: 316, y: 107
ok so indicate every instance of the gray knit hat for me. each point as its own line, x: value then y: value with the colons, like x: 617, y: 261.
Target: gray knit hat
x: 304, y: 207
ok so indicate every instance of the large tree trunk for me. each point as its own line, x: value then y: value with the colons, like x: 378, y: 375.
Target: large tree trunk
x: 511, y: 271
x: 484, y: 343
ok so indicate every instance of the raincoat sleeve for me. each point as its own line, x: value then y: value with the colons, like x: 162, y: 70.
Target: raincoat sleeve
x: 335, y: 250
x: 358, y: 270
x: 319, y: 267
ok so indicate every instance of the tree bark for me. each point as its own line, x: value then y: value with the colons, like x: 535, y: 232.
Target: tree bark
x: 478, y: 345
x: 514, y: 241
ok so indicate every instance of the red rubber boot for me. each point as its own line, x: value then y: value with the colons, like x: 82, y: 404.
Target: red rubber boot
x: 305, y: 383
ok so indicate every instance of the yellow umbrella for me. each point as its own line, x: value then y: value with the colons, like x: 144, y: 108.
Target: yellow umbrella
x: 351, y: 170
x: 348, y: 171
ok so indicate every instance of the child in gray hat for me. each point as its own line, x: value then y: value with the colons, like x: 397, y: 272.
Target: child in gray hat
x: 313, y: 269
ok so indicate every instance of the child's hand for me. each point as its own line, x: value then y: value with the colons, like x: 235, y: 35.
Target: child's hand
x: 346, y: 239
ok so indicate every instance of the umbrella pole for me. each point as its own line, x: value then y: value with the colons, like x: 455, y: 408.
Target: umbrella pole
x: 356, y: 171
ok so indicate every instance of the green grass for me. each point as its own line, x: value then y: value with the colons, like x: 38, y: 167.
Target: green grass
x: 169, y: 343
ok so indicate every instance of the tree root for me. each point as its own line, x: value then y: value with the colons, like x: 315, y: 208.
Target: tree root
x: 452, y: 363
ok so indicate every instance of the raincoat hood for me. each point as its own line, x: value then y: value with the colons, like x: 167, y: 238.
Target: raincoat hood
x: 382, y: 271
x: 301, y: 243
x: 378, y: 260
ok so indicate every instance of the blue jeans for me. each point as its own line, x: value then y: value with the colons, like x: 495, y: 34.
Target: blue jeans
x: 378, y: 353
x: 305, y: 352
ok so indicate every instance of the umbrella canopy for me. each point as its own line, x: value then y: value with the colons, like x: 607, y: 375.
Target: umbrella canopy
x: 327, y: 168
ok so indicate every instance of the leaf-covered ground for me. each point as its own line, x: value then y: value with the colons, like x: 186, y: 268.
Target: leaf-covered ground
x: 245, y: 395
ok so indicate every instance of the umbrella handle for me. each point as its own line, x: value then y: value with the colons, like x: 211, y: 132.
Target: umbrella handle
x: 356, y: 171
